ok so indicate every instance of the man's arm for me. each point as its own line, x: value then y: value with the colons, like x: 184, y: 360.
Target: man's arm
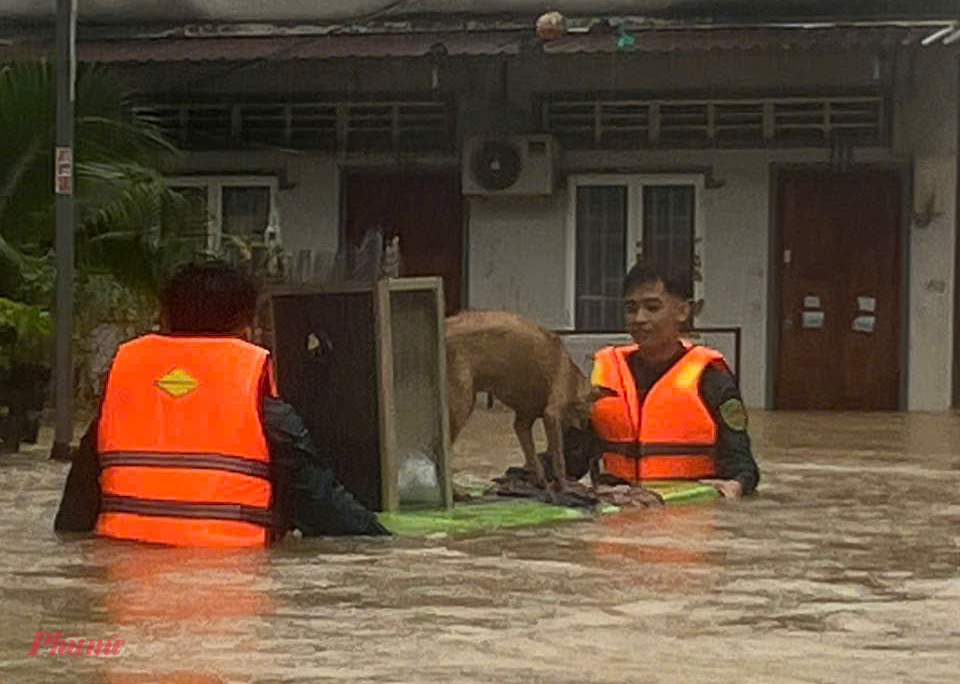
x: 80, y: 504
x: 734, y: 456
x: 317, y: 504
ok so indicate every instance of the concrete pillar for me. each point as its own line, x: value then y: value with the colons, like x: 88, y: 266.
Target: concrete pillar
x: 926, y: 132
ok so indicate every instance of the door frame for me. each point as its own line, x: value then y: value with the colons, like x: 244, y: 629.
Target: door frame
x: 905, y: 171
x: 377, y: 166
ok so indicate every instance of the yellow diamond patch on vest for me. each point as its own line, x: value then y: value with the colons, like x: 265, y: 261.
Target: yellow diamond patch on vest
x: 177, y: 383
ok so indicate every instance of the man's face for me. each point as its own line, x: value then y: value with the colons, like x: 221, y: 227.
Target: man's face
x: 653, y: 317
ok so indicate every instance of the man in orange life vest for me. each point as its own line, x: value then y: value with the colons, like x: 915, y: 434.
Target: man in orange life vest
x: 192, y: 446
x: 677, y: 413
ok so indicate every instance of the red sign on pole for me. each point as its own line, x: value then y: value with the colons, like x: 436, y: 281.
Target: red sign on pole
x: 63, y: 184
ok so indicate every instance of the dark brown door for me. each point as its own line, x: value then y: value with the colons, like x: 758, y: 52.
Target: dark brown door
x: 425, y: 209
x: 839, y: 290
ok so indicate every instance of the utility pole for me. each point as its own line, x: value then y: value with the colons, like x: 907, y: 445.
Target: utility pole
x: 64, y: 188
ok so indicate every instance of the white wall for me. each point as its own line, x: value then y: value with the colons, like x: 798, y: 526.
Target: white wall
x: 518, y: 248
x: 309, y: 209
x: 927, y: 130
x: 517, y: 256
x: 736, y: 245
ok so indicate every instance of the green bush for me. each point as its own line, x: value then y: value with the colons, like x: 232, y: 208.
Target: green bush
x: 26, y: 332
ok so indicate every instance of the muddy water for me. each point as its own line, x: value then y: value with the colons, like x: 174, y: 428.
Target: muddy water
x: 843, y: 569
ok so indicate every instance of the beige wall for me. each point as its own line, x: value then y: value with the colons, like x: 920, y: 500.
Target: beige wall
x: 309, y: 206
x: 518, y: 247
x: 927, y: 132
x: 517, y: 256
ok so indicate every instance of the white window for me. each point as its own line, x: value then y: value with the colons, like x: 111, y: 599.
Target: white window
x: 613, y: 220
x: 242, y: 206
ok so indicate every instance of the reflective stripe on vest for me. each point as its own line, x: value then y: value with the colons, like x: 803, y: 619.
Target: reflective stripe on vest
x: 241, y: 466
x: 671, y: 435
x: 180, y: 509
x: 182, y: 453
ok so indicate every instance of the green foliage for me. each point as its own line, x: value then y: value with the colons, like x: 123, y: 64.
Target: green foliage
x: 119, y: 155
x: 119, y: 186
x: 132, y: 231
x: 25, y: 333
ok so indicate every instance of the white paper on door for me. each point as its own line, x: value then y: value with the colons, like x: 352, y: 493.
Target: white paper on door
x: 813, y: 319
x: 864, y: 324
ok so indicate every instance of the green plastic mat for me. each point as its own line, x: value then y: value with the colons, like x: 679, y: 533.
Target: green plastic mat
x: 682, y: 492
x: 500, y: 513
x: 478, y: 516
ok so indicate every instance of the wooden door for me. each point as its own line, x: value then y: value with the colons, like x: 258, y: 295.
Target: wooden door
x: 425, y: 209
x: 839, y: 291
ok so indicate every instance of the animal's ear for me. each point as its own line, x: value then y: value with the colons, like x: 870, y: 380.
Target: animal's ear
x: 598, y: 392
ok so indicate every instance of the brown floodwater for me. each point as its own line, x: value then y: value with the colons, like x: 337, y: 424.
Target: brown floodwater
x: 844, y: 568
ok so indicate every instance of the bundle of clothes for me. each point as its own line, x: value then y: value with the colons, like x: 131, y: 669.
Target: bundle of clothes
x: 522, y: 483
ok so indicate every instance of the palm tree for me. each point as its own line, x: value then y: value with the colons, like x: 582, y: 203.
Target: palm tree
x: 121, y: 200
x: 119, y: 157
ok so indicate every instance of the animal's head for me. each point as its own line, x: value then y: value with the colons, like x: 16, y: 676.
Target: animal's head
x: 579, y: 410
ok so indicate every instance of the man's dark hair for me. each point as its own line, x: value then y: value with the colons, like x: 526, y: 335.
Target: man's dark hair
x: 211, y: 297
x: 675, y: 278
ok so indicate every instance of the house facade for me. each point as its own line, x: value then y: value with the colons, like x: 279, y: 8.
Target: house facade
x: 804, y: 170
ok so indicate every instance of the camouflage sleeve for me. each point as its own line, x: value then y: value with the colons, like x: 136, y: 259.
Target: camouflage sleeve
x: 734, y: 454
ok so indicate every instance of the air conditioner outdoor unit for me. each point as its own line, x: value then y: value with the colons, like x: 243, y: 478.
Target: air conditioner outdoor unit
x: 511, y: 165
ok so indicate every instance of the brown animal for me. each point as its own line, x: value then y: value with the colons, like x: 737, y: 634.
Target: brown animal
x: 526, y: 367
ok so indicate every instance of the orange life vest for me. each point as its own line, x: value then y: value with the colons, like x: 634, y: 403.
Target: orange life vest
x: 671, y: 435
x: 182, y: 453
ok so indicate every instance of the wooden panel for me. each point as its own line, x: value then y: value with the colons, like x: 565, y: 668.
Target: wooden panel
x: 377, y: 397
x: 425, y: 209
x: 418, y: 392
x: 839, y: 241
x: 337, y: 394
x: 617, y: 120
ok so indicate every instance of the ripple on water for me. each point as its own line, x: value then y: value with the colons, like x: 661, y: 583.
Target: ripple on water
x: 842, y: 570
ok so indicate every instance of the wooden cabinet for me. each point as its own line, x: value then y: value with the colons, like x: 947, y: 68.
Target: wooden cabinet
x: 366, y: 368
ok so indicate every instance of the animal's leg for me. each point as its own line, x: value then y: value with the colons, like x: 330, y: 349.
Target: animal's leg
x: 462, y: 401
x: 460, y: 397
x: 523, y: 426
x: 595, y: 471
x: 553, y: 426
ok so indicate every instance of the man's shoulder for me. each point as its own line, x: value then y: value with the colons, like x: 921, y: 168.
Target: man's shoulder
x: 718, y: 374
x: 718, y: 381
x: 720, y: 393
x: 718, y: 364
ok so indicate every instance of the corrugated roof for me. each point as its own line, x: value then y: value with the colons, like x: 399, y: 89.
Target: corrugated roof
x: 287, y: 47
x: 681, y: 40
x: 472, y: 43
